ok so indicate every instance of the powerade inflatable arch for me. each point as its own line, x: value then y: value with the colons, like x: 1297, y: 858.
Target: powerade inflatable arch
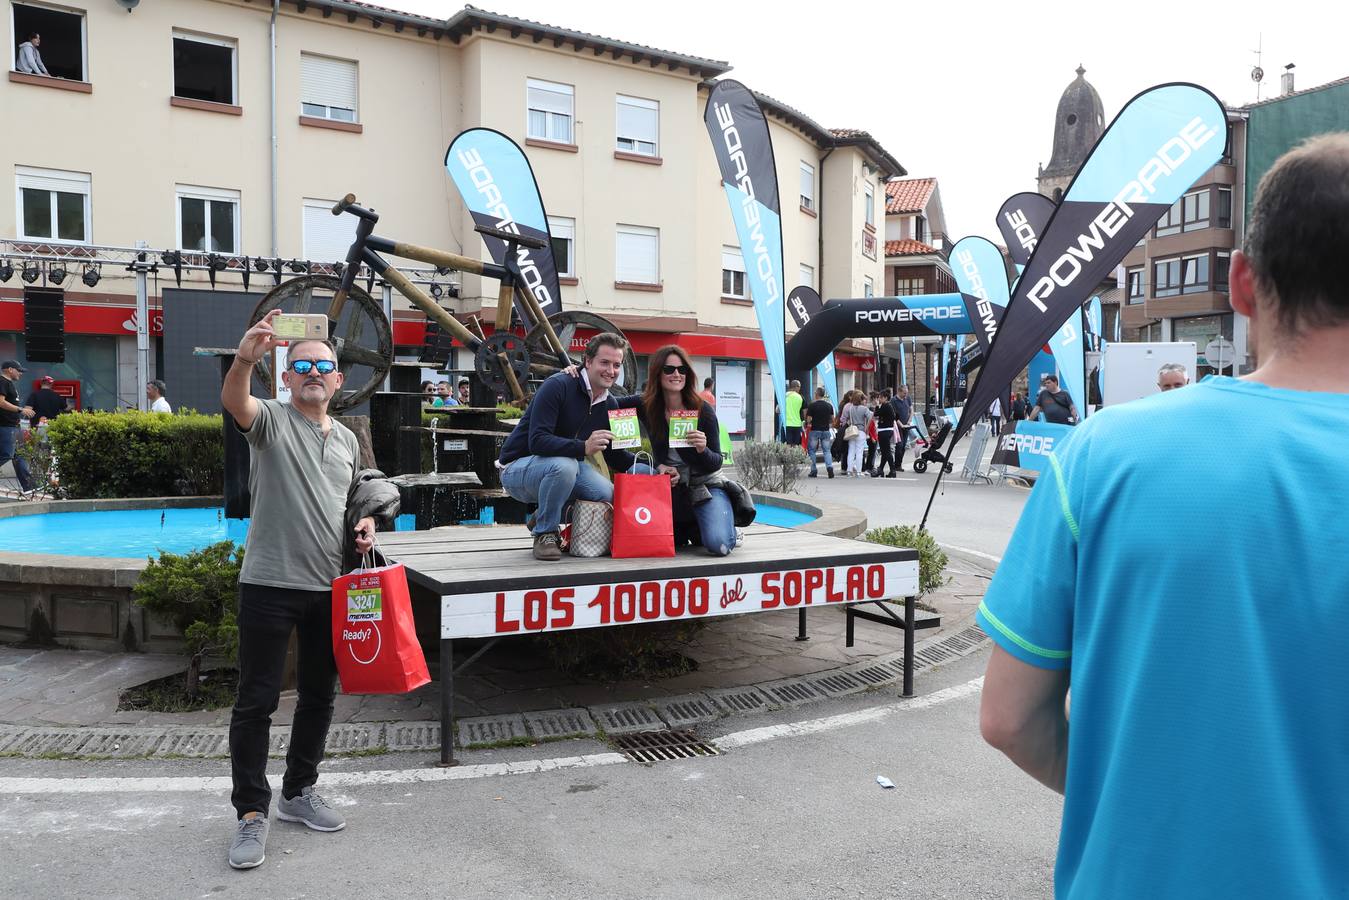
x: 929, y: 314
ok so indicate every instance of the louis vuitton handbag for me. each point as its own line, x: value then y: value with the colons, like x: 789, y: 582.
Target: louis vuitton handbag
x: 592, y: 528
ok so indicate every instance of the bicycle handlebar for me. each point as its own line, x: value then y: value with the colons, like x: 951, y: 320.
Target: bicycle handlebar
x: 348, y: 204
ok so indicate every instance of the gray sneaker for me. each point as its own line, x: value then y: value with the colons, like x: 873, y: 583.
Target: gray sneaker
x: 249, y: 848
x: 311, y: 809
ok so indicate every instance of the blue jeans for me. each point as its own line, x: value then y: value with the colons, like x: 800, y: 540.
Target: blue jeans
x: 9, y: 437
x: 716, y: 523
x: 819, y: 441
x: 554, y: 481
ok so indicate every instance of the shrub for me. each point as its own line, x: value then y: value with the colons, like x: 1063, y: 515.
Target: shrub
x: 136, y: 454
x: 931, y: 558
x: 197, y: 593
x: 37, y: 452
x: 770, y: 466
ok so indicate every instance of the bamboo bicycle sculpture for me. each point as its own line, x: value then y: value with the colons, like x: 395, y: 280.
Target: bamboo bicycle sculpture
x: 503, y: 361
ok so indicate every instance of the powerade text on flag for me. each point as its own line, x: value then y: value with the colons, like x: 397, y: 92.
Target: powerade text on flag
x: 804, y: 304
x: 982, y: 280
x: 1159, y: 145
x: 1027, y: 445
x: 1022, y: 219
x: 498, y: 187
x: 744, y: 154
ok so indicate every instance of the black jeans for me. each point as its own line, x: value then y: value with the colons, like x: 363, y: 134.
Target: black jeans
x: 887, y: 437
x: 266, y: 617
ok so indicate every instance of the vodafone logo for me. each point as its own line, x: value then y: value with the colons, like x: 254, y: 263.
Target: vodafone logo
x: 642, y: 515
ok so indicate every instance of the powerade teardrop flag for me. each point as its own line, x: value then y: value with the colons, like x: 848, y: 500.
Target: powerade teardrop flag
x: 1160, y: 143
x: 803, y: 303
x: 497, y: 185
x: 981, y: 278
x: 1022, y: 219
x: 744, y: 154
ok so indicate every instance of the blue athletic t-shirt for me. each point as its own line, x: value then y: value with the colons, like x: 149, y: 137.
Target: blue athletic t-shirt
x: 1187, y: 557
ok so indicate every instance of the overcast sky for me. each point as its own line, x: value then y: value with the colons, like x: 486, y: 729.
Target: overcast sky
x: 966, y: 92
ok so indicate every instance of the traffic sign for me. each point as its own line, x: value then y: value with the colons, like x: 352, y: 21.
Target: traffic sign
x: 1220, y: 353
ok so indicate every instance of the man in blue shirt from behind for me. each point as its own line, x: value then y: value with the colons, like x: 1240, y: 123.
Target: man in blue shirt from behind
x: 544, y: 459
x: 1195, y: 594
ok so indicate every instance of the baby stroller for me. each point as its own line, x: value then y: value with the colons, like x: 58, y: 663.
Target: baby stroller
x: 931, y: 450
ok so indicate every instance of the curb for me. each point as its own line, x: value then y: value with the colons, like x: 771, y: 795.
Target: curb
x: 484, y: 732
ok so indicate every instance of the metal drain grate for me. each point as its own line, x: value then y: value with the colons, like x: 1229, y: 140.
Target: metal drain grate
x: 660, y: 746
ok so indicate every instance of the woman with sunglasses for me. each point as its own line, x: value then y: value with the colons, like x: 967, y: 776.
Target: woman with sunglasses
x: 702, y: 514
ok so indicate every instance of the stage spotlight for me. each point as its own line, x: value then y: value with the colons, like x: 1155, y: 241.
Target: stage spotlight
x: 299, y: 268
x: 171, y: 258
x: 6, y: 272
x: 454, y: 290
x: 91, y: 276
x: 31, y: 273
x: 437, y: 291
x: 56, y: 274
x: 338, y: 269
x: 260, y: 264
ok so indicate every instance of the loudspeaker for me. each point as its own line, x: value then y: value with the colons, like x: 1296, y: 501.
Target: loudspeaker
x: 44, y: 324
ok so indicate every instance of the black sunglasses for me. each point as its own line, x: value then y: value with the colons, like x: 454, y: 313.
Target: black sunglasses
x: 670, y: 370
x: 302, y: 366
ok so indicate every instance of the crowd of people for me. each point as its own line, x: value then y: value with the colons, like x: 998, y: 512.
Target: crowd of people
x: 868, y: 435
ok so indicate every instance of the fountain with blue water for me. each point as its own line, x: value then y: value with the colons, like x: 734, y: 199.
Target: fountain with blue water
x: 138, y: 533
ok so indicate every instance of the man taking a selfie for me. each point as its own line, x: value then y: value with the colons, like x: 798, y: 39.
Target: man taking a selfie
x: 302, y: 463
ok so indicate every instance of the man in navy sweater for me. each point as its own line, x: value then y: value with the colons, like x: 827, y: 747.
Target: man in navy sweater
x: 543, y: 460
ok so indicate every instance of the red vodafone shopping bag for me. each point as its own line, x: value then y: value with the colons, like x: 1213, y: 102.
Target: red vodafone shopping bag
x: 643, y: 517
x: 374, y: 639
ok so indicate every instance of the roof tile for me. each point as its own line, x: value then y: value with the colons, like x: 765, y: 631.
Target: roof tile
x: 907, y: 247
x: 908, y: 195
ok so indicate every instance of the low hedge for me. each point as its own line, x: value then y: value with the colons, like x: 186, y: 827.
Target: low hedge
x: 138, y: 454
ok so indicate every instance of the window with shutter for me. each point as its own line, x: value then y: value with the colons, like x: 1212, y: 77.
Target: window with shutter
x: 563, y: 233
x: 550, y: 110
x: 326, y: 236
x: 807, y: 186
x: 733, y: 273
x: 637, y: 126
x: 53, y: 205
x: 208, y: 219
x: 637, y: 255
x: 328, y: 88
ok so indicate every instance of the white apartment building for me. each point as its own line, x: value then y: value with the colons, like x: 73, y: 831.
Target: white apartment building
x: 159, y: 126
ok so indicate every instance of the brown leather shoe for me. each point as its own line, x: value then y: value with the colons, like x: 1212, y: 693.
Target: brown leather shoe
x: 548, y: 546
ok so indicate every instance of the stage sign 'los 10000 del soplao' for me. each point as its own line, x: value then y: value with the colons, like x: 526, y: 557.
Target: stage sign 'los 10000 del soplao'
x: 620, y: 603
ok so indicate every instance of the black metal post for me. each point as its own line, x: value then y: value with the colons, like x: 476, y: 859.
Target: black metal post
x: 447, y: 704
x: 848, y: 640
x: 908, y: 646
x: 801, y: 625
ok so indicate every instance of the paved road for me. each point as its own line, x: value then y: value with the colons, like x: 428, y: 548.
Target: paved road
x: 792, y: 816
x: 790, y: 809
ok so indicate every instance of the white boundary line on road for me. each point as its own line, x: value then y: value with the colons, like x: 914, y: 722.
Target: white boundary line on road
x: 216, y: 784
x: 845, y: 720
x: 978, y: 553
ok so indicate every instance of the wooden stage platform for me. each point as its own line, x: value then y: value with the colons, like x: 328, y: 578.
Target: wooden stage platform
x: 490, y: 586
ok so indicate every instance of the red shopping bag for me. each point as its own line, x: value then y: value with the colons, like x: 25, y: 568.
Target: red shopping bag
x: 643, y: 517
x: 374, y: 639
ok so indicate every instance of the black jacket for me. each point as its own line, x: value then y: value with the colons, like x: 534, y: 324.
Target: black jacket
x: 558, y: 421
